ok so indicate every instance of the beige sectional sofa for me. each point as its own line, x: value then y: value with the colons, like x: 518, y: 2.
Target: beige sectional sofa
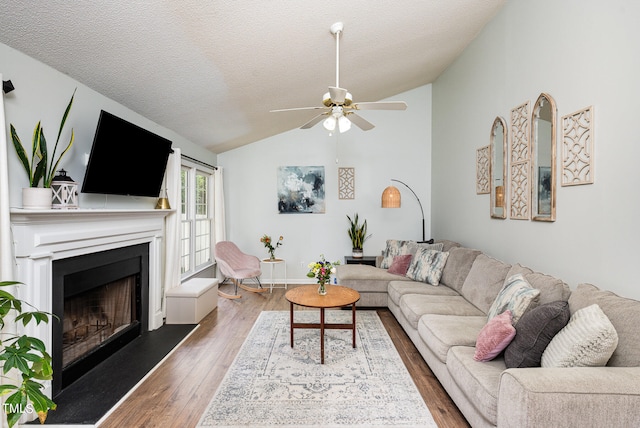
x: 444, y: 322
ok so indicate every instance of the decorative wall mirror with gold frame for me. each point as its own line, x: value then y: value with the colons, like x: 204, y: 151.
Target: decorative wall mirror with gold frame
x: 543, y: 159
x: 498, y: 167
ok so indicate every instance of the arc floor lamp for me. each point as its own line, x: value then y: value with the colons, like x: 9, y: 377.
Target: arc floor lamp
x: 391, y: 198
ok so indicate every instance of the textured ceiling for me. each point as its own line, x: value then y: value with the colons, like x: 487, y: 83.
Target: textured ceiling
x: 212, y: 70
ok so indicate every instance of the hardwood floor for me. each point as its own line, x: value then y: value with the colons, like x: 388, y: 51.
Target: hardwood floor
x: 178, y: 392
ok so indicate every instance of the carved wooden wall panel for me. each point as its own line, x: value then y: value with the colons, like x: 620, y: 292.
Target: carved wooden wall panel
x: 520, y: 158
x: 346, y: 183
x: 482, y: 171
x: 577, y: 148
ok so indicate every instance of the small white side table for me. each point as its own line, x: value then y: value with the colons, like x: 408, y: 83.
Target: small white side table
x: 271, y: 264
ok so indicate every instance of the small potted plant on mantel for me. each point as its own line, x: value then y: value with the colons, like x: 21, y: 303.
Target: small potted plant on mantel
x: 358, y: 234
x: 41, y: 166
x: 24, y: 359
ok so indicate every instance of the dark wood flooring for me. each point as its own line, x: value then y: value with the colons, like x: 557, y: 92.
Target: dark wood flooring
x: 177, y: 393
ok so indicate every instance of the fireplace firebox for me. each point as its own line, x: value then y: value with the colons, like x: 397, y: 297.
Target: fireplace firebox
x: 101, y: 300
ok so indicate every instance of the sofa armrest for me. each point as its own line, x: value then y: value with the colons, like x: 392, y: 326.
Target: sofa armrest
x: 569, y: 397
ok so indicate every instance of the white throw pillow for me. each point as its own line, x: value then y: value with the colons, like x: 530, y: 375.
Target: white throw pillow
x: 588, y: 340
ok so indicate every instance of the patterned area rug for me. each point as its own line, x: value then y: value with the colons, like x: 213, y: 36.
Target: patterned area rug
x: 271, y: 384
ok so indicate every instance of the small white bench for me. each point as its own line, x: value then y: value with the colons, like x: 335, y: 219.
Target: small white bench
x: 192, y: 300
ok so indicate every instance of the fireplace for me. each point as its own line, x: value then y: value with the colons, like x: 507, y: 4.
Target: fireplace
x: 47, y: 238
x: 101, y: 302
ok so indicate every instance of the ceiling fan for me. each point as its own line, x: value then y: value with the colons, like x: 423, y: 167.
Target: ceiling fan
x: 338, y: 106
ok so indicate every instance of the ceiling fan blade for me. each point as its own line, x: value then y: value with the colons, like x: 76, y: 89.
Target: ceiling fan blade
x: 296, y: 108
x: 360, y: 122
x: 314, y: 121
x: 381, y: 105
x: 337, y: 94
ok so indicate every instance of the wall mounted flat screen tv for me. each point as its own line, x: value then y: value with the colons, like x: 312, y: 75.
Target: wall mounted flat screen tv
x: 125, y: 159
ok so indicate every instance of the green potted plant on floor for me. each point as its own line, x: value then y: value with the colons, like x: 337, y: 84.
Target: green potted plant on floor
x: 358, y: 234
x: 40, y: 166
x: 26, y: 358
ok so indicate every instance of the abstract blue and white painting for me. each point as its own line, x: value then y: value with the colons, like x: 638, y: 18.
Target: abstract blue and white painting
x: 301, y: 189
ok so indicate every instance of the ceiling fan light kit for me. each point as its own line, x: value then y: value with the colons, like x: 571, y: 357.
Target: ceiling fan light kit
x: 338, y: 106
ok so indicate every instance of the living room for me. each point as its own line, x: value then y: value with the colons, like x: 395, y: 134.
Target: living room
x: 582, y: 53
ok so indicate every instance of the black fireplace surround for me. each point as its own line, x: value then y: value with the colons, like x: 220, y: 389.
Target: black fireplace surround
x: 76, y: 275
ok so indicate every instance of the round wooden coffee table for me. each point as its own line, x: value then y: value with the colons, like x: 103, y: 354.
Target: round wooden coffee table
x: 337, y: 296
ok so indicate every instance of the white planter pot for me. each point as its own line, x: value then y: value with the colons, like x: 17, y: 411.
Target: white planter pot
x: 356, y: 253
x: 37, y: 198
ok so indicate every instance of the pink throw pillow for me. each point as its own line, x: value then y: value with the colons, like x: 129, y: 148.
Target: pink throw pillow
x: 400, y: 264
x: 494, y: 337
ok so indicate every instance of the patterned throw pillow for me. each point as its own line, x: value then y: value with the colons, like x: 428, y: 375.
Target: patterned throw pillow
x: 415, y: 246
x: 588, y: 340
x: 400, y: 264
x: 494, y: 337
x: 399, y: 248
x: 394, y: 248
x: 516, y: 295
x: 426, y: 266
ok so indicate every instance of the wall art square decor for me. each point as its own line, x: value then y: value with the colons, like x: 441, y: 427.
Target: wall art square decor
x: 301, y: 189
x: 346, y: 183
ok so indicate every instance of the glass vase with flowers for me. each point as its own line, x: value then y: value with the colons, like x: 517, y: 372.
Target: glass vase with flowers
x: 266, y: 240
x: 322, y: 271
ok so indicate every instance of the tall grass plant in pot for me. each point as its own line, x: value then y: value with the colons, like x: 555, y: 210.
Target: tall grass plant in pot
x: 39, y: 165
x: 358, y: 235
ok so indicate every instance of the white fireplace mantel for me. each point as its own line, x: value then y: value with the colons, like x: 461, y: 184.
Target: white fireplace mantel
x: 42, y: 236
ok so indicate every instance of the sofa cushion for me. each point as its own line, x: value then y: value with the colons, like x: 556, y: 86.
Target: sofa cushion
x: 414, y: 306
x: 441, y: 332
x: 588, y: 340
x: 494, y: 337
x: 534, y: 331
x: 479, y: 380
x: 485, y: 280
x: 516, y: 296
x: 458, y: 266
x: 365, y: 278
x: 551, y: 289
x: 623, y: 313
x: 400, y: 264
x: 447, y: 245
x: 397, y: 289
x: 426, y: 266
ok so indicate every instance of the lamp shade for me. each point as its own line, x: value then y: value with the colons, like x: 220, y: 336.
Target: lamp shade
x: 391, y: 197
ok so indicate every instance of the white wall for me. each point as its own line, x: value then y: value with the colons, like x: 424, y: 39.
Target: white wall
x: 581, y: 52
x: 398, y: 147
x: 42, y: 94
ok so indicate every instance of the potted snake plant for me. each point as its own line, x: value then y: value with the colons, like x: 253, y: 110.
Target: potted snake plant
x: 358, y: 234
x: 40, y: 166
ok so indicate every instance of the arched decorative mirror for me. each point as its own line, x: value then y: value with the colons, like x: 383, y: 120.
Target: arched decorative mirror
x: 543, y: 159
x: 498, y: 148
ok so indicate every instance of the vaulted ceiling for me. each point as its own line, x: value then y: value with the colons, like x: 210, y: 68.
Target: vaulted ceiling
x: 212, y: 70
